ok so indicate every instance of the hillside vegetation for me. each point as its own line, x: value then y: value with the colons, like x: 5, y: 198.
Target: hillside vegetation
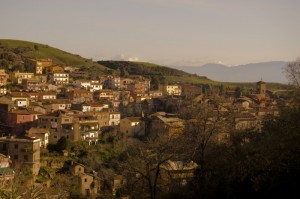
x: 13, y: 52
x: 17, y: 48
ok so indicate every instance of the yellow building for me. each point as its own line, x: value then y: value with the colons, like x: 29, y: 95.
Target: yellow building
x: 17, y: 77
x: 39, y: 64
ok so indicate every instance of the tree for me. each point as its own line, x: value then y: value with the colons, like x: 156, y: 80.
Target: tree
x: 61, y: 144
x: 293, y: 72
x: 143, y: 165
x: 36, y: 47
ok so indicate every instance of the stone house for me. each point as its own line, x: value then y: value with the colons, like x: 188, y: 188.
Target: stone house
x: 41, y: 133
x: 132, y: 126
x: 24, y: 151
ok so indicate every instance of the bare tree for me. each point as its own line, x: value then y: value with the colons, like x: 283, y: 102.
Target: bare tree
x: 293, y: 72
x: 204, y: 123
x: 144, y: 163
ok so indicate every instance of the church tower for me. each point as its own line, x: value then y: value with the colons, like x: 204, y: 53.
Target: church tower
x: 261, y: 88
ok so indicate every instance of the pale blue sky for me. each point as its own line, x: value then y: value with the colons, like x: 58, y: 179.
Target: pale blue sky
x: 170, y: 32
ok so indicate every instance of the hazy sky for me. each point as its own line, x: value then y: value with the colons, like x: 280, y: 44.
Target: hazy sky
x: 170, y: 32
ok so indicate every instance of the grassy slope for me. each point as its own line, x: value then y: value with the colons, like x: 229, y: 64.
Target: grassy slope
x: 149, y: 69
x: 44, y: 51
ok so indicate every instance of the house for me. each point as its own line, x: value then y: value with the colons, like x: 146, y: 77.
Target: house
x: 95, y: 87
x: 114, y: 83
x: 31, y: 84
x: 138, y: 87
x: 89, y: 184
x: 132, y: 126
x: 76, y: 168
x: 17, y: 77
x: 108, y: 117
x: 155, y: 94
x: 84, y: 107
x: 38, y: 64
x: 166, y: 124
x: 59, y: 78
x: 59, y: 123
x: 171, y: 89
x: 245, y: 121
x: 33, y: 96
x: 86, y: 127
x: 101, y: 95
x: 80, y: 83
x: 177, y: 173
x: 6, y: 172
x: 19, y: 98
x: 24, y: 151
x: 97, y: 107
x: 41, y: 133
x: 6, y: 105
x: 80, y: 96
x: 3, y: 77
x: 22, y: 119
x: 47, y: 96
x: 3, y: 90
x: 56, y: 104
x: 114, y: 118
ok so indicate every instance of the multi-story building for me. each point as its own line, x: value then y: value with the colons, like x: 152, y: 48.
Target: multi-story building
x: 59, y: 78
x: 114, y: 83
x: 80, y: 96
x: 108, y: 117
x: 59, y: 123
x: 41, y: 133
x: 38, y: 64
x: 24, y: 151
x: 47, y: 96
x: 31, y: 84
x: 166, y: 124
x: 86, y: 127
x: 19, y: 98
x: 17, y: 77
x: 171, y: 89
x: 22, y: 119
x: 57, y: 104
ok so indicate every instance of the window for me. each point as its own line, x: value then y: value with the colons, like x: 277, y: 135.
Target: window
x: 26, y: 157
x: 16, y: 146
x: 15, y: 157
x: 85, y: 179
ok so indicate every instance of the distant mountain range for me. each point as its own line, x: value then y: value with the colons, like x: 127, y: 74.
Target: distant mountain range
x: 267, y: 71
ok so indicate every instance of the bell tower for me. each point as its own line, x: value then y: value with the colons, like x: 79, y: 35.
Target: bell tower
x: 261, y: 88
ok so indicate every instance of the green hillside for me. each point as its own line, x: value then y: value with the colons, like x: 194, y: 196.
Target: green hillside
x: 162, y: 73
x: 37, y: 50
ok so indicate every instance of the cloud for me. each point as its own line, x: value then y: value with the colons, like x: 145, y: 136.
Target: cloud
x: 123, y: 57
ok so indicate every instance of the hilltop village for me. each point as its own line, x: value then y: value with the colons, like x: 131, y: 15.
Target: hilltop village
x: 59, y: 125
